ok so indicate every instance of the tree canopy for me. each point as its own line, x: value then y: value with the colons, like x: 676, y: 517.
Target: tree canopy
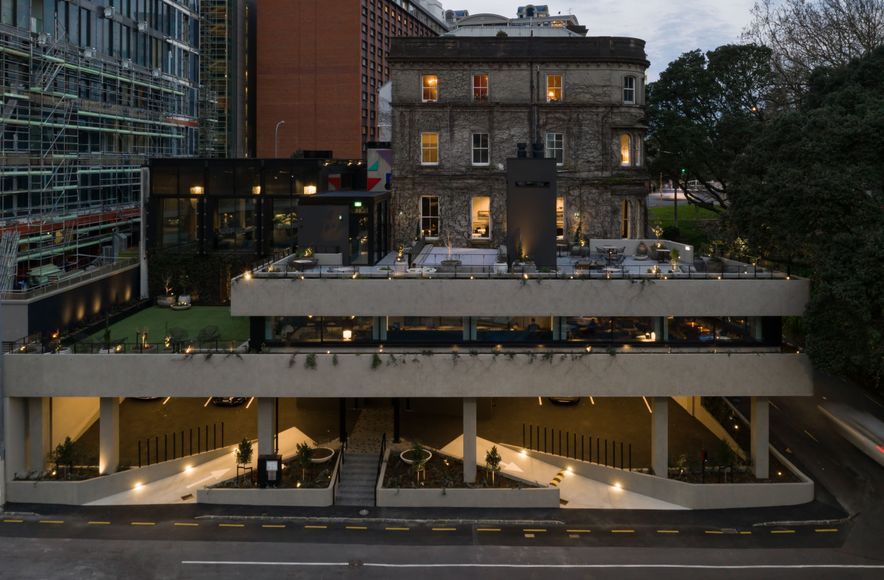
x: 702, y: 112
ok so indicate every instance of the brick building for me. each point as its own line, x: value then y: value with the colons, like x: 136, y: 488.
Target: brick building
x: 320, y: 64
x: 461, y: 105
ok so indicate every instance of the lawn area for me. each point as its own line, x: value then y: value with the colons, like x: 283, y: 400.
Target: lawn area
x: 158, y: 321
x: 691, y: 220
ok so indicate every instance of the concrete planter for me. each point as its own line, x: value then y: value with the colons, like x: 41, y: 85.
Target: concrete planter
x: 300, y: 497
x: 83, y: 492
x: 693, y: 495
x: 529, y: 497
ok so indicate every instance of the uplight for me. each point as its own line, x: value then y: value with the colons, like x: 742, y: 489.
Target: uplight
x: 138, y: 486
x: 188, y: 469
x: 617, y: 486
x: 247, y: 275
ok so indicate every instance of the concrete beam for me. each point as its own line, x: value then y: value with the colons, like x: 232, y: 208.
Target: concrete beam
x: 660, y: 436
x: 39, y: 430
x: 469, y: 439
x: 109, y: 435
x: 760, y: 432
x: 266, y: 425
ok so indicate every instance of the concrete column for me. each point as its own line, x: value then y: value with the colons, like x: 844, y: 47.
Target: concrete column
x: 755, y: 328
x: 16, y: 434
x: 659, y: 322
x: 665, y: 333
x: 469, y: 328
x: 39, y: 433
x: 469, y: 439
x: 660, y: 436
x: 266, y: 425
x: 557, y: 328
x: 760, y: 431
x: 109, y: 435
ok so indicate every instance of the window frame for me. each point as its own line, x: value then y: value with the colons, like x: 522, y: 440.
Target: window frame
x: 564, y: 220
x: 478, y: 149
x: 426, y: 148
x: 433, y: 87
x: 560, y: 88
x: 547, y: 149
x: 486, y: 88
x: 628, y: 161
x: 429, y: 217
x: 474, y: 213
x: 633, y: 89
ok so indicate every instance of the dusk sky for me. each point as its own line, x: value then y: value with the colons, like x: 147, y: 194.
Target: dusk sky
x: 670, y: 27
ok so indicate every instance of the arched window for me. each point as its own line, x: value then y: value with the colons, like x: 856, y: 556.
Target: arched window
x: 625, y: 150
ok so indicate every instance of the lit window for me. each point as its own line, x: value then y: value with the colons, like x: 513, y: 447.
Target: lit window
x: 560, y: 218
x: 481, y: 218
x: 629, y: 90
x: 480, y: 87
x: 430, y: 84
x: 429, y: 148
x: 555, y: 147
x: 625, y: 150
x: 553, y: 88
x: 480, y: 149
x: 625, y: 230
x: 430, y: 216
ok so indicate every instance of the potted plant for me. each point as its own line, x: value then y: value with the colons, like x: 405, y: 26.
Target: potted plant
x: 321, y: 454
x: 524, y: 263
x: 492, y: 463
x: 450, y: 261
x: 168, y: 298
x: 673, y: 258
x: 243, y: 458
x: 500, y: 265
x: 303, y: 456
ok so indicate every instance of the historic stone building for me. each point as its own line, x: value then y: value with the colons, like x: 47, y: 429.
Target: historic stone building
x: 461, y: 107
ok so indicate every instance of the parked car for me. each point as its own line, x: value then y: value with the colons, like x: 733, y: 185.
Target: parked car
x: 228, y: 401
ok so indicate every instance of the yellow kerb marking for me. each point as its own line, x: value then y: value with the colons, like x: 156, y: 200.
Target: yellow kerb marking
x: 99, y: 523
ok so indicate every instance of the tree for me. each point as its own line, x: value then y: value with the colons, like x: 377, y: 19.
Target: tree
x: 492, y: 462
x: 810, y: 191
x: 64, y: 455
x: 808, y: 34
x: 303, y: 457
x: 702, y: 112
x: 244, y: 452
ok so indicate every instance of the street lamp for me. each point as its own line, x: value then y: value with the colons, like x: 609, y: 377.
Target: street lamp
x: 276, y: 139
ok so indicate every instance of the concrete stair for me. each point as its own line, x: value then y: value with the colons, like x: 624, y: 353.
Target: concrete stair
x: 358, y: 480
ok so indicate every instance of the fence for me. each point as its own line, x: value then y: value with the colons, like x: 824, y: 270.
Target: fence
x: 577, y: 446
x: 180, y: 447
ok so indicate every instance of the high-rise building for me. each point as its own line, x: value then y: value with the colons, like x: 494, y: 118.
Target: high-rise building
x: 320, y: 65
x: 225, y: 124
x: 91, y: 89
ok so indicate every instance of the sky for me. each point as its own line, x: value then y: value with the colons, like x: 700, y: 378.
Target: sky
x: 670, y: 27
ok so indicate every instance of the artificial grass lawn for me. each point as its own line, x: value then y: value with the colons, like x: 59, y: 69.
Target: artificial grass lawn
x: 690, y: 221
x: 158, y: 321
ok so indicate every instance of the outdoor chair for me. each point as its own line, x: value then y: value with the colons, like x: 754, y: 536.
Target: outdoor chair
x: 208, y: 334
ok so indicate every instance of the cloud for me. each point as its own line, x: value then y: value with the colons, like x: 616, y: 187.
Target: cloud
x: 670, y: 27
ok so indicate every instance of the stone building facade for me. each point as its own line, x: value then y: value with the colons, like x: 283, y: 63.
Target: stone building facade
x: 582, y: 98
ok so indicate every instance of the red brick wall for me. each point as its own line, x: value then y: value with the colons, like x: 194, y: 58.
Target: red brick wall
x: 308, y: 74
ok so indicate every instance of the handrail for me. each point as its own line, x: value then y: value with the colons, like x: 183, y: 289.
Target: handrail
x: 531, y: 440
x: 380, y: 465
x: 85, y: 276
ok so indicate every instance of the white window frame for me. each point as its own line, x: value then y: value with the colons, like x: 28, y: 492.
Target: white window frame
x: 632, y: 89
x: 473, y: 213
x: 434, y: 88
x: 548, y: 151
x: 477, y: 149
x: 424, y: 149
x: 429, y: 218
x: 487, y: 87
x: 560, y: 88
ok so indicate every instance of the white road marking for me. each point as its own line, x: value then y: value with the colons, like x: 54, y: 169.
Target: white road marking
x: 556, y: 566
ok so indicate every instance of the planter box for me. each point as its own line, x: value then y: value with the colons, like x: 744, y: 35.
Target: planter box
x: 303, y: 497
x: 693, y: 495
x: 89, y: 490
x: 528, y: 497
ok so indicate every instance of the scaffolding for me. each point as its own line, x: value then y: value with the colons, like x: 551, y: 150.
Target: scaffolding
x: 75, y: 129
x: 215, y: 57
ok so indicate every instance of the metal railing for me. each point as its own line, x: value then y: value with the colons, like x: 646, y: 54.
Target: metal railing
x: 181, y: 447
x: 577, y: 446
x: 71, y: 280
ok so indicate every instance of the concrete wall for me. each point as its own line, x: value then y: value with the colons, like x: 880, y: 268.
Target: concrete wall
x: 272, y: 497
x: 83, y: 492
x: 528, y: 497
x: 692, y: 495
x: 15, y: 320
x: 72, y: 416
x: 697, y: 411
x: 628, y: 374
x: 513, y: 297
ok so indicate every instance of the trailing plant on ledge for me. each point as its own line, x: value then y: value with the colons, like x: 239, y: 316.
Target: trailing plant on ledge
x: 376, y: 361
x: 310, y: 361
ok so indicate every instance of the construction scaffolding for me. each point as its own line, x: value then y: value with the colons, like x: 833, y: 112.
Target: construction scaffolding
x: 75, y: 129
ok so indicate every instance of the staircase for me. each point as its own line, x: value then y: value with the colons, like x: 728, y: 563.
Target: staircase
x: 358, y: 480
x: 360, y: 468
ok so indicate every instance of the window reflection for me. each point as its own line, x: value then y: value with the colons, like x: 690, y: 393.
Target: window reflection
x: 233, y: 224
x: 298, y: 329
x: 709, y: 330
x: 178, y: 221
x: 440, y: 329
x: 514, y: 329
x: 604, y: 329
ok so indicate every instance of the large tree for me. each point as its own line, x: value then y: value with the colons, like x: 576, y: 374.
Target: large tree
x: 806, y: 34
x: 810, y: 189
x: 702, y: 112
